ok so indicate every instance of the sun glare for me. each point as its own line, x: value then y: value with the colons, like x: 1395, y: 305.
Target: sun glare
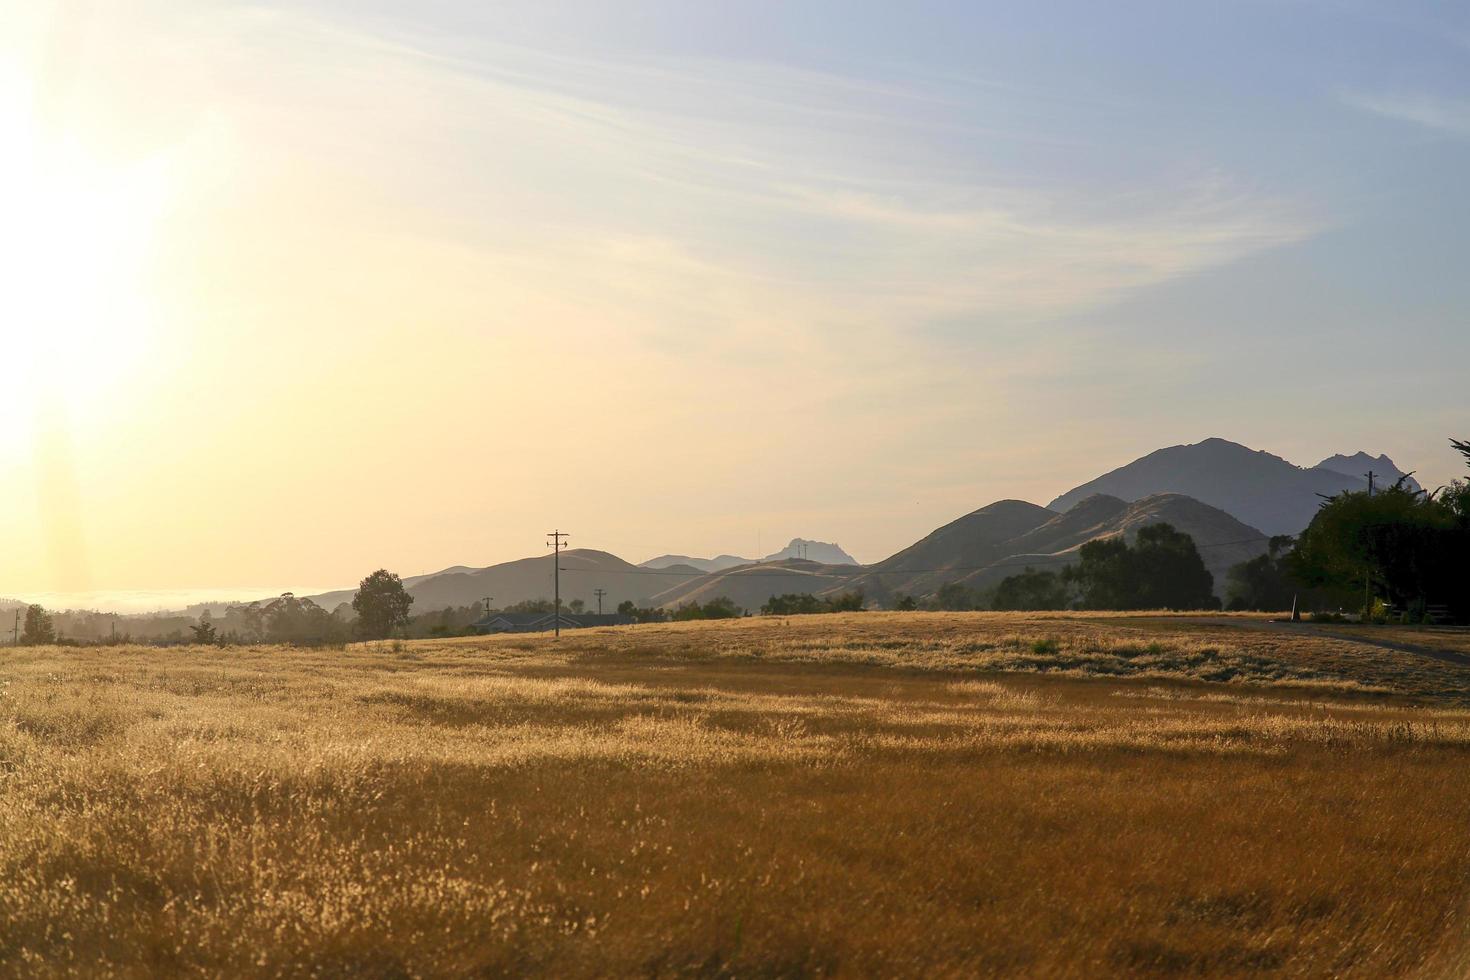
x: 73, y: 315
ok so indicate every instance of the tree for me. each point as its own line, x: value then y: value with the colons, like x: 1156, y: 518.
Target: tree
x: 906, y: 603
x: 299, y: 621
x: 204, y: 632
x: 1161, y: 570
x: 1266, y: 582
x: 630, y: 608
x: 1032, y: 590
x: 804, y: 603
x: 531, y: 606
x: 955, y: 597
x: 381, y: 604
x: 720, y: 607
x: 792, y: 604
x: 576, y: 606
x: 39, y: 628
x: 1403, y: 546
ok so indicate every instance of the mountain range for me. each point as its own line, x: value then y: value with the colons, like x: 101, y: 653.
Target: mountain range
x: 818, y: 551
x: 1229, y: 498
x: 1263, y: 490
x: 1009, y: 536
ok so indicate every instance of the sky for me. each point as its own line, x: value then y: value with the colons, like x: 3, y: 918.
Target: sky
x: 301, y: 289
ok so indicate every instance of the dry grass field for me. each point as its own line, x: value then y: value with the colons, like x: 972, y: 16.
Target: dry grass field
x: 891, y: 794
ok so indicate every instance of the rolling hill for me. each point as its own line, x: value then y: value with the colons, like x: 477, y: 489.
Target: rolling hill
x: 751, y: 585
x: 944, y: 554
x: 1359, y: 464
x: 583, y: 570
x: 1222, y: 540
x: 1255, y: 487
x: 819, y: 551
x: 982, y: 548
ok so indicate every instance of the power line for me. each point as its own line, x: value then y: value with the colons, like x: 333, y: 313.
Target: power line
x: 599, y: 592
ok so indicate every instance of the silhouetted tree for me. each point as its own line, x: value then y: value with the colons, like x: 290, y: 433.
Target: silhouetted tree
x: 1161, y: 570
x: 39, y: 628
x: 1266, y: 582
x: 906, y: 603
x: 720, y: 607
x: 630, y: 608
x: 1032, y: 590
x: 531, y: 606
x: 381, y: 604
x: 204, y: 631
x: 576, y: 606
x: 802, y: 603
x: 1403, y: 546
x: 300, y: 621
x: 955, y: 597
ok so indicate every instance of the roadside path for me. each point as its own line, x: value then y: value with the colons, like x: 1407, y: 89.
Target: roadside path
x: 1310, y: 629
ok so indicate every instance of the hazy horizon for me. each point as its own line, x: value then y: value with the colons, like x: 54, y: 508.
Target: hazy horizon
x: 307, y: 288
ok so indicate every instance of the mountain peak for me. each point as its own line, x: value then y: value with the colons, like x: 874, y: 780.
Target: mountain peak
x: 1254, y: 486
x: 1384, y: 470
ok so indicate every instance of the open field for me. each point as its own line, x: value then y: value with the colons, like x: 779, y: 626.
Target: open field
x: 909, y: 794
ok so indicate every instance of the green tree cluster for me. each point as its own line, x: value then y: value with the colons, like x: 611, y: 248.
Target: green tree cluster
x: 720, y: 607
x: 1409, y: 549
x: 1162, y: 569
x: 1031, y: 590
x: 650, y: 614
x: 39, y: 628
x: 381, y: 604
x: 800, y: 603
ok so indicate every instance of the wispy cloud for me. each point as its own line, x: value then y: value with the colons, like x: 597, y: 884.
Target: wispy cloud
x: 799, y: 196
x: 1444, y: 115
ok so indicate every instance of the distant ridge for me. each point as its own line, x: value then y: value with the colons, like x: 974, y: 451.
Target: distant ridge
x: 1383, y: 469
x: 1257, y: 488
x: 968, y: 542
x: 819, y: 551
x: 749, y: 586
x: 583, y: 570
x: 977, y: 551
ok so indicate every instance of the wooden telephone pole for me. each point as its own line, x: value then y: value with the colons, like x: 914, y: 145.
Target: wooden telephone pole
x: 1368, y: 572
x: 599, y: 593
x: 556, y: 544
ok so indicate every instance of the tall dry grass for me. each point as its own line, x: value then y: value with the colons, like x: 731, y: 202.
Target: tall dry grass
x: 901, y: 795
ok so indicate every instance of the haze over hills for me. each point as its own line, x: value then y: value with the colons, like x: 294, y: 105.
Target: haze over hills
x: 1384, y: 470
x: 982, y: 548
x: 1223, y: 541
x: 1228, y: 497
x: 965, y: 543
x: 817, y: 551
x: 583, y: 570
x: 751, y: 585
x: 1260, y: 489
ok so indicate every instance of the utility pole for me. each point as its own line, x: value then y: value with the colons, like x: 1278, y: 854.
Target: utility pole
x: 556, y: 545
x: 599, y: 593
x: 15, y: 633
x: 1368, y: 572
x: 487, y: 604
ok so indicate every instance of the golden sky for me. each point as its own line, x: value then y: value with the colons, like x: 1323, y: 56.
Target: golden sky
x: 297, y: 292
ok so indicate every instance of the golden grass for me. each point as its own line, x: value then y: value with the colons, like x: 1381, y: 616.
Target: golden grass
x: 927, y: 794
